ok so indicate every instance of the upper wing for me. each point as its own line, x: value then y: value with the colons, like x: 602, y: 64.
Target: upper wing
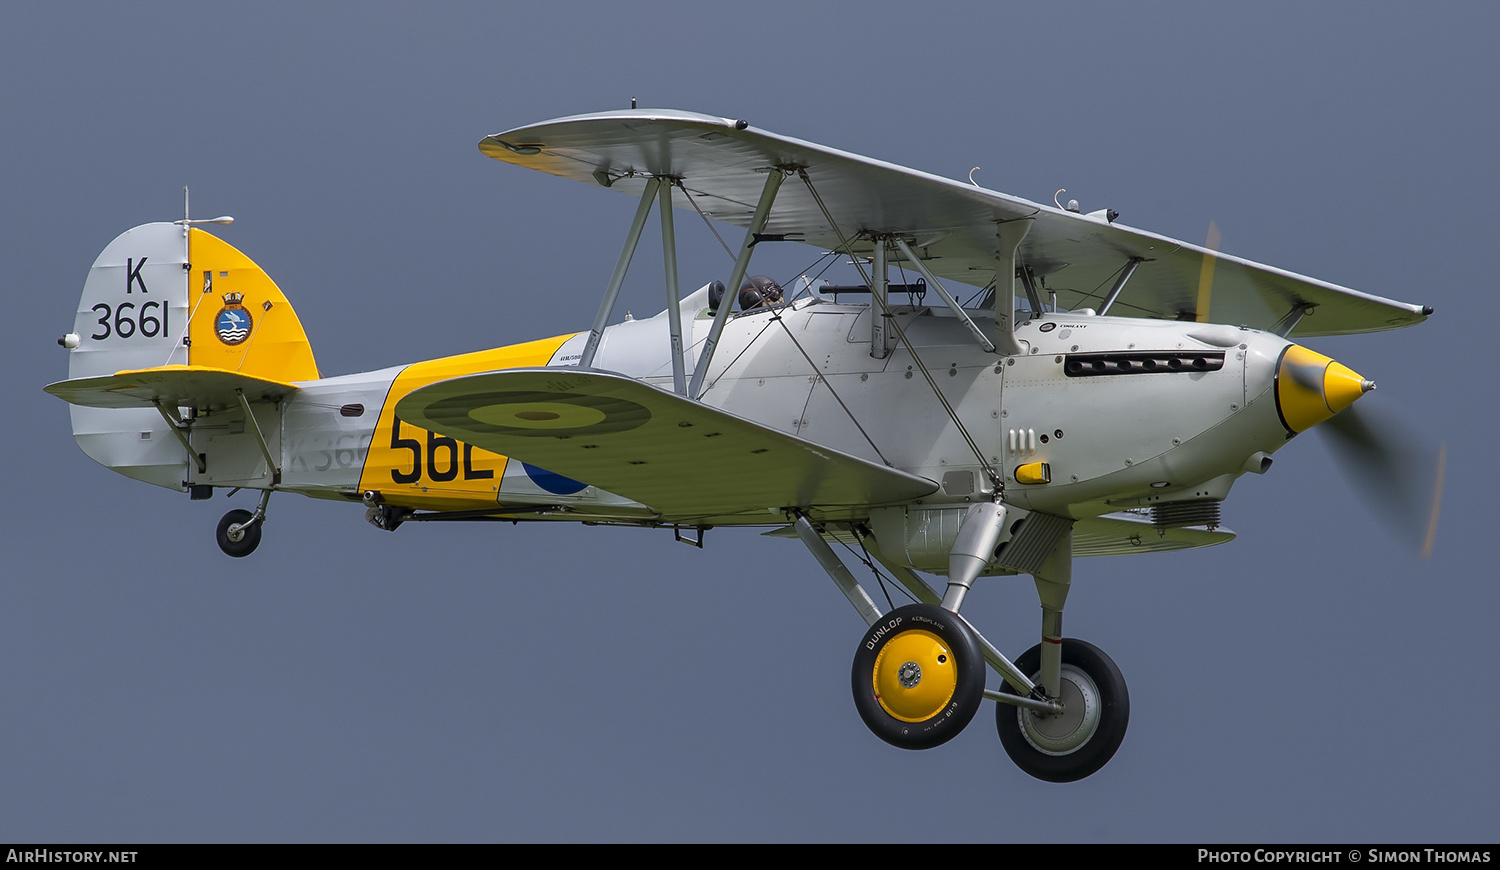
x: 682, y: 458
x: 169, y: 386
x: 951, y: 224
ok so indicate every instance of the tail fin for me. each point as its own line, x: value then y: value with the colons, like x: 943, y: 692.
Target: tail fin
x: 165, y: 295
x: 133, y: 314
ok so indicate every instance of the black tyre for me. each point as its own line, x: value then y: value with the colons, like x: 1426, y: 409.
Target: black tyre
x: 918, y: 677
x: 249, y: 536
x: 1075, y: 744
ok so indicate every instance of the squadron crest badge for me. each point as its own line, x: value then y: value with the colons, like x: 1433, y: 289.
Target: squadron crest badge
x: 232, y: 324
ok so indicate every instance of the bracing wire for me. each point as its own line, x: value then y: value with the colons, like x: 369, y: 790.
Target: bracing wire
x: 984, y: 463
x: 879, y: 577
x: 824, y: 380
x: 706, y: 222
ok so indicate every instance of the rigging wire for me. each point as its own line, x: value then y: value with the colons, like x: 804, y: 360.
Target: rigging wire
x: 1090, y: 295
x: 969, y: 303
x: 870, y: 561
x: 749, y: 344
x: 706, y: 221
x: 776, y: 316
x: 995, y: 479
x: 187, y: 330
x: 879, y: 577
x: 832, y: 257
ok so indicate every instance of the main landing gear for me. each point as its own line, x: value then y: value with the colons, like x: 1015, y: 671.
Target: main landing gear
x: 239, y: 530
x: 918, y: 674
x: 1072, y: 744
x: 918, y: 677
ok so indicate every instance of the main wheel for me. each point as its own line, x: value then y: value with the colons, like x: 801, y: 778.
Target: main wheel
x: 918, y: 677
x: 241, y: 541
x: 1080, y: 740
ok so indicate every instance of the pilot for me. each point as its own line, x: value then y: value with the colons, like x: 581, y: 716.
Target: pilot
x: 759, y: 292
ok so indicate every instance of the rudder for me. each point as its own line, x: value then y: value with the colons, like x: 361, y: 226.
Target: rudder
x: 241, y: 321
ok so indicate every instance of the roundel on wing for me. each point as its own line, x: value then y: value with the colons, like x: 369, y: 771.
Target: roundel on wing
x: 537, y: 414
x: 551, y: 481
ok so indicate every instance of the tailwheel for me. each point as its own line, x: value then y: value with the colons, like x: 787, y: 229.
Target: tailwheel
x: 1071, y: 745
x: 918, y: 677
x: 238, y: 535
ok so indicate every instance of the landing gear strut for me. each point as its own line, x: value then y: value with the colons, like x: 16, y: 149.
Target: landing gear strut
x: 918, y: 675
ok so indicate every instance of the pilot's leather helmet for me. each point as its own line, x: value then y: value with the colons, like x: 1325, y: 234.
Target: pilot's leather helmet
x: 759, y: 291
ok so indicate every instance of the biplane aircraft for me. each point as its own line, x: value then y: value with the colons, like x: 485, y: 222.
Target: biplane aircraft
x: 1093, y: 390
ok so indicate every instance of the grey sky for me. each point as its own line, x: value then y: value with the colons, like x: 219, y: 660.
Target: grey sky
x: 1311, y: 681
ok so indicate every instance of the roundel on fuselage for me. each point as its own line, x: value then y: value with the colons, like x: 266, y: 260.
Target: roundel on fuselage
x: 551, y: 481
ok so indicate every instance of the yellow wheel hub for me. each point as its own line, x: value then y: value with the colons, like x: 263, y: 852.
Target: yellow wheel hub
x: 915, y: 676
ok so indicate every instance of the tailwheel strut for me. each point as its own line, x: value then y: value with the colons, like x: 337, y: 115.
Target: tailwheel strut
x: 239, y: 530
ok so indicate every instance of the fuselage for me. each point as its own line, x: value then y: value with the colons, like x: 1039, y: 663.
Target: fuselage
x: 1122, y: 412
x: 1090, y: 415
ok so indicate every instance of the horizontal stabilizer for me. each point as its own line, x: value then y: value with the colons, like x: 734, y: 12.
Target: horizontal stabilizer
x: 683, y: 458
x: 199, y: 387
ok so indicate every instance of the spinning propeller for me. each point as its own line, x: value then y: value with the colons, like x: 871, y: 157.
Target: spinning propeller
x: 1388, y: 467
x: 1399, y: 477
